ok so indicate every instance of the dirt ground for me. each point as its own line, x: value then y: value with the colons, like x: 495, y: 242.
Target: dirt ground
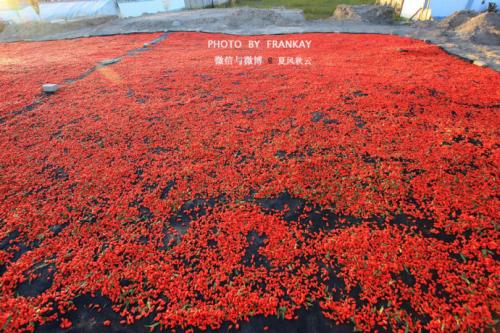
x: 472, y: 37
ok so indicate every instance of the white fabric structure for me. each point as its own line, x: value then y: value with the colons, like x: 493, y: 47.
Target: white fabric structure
x: 54, y: 11
x: 442, y: 8
x: 70, y: 10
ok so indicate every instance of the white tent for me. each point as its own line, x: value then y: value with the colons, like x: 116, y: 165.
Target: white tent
x: 442, y: 8
x: 56, y: 10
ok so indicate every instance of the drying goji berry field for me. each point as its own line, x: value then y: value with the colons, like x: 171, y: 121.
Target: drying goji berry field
x: 160, y: 191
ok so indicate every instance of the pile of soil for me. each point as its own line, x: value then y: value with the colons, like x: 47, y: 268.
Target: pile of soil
x: 483, y: 28
x: 33, y: 29
x: 470, y: 26
x: 456, y: 19
x: 366, y: 13
x: 261, y: 17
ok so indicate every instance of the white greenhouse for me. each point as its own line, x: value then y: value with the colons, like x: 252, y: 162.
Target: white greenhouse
x: 56, y: 10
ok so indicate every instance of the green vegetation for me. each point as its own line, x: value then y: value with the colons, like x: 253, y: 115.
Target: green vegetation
x: 313, y: 9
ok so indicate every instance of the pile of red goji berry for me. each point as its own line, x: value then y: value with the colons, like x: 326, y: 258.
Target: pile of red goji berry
x: 197, y: 194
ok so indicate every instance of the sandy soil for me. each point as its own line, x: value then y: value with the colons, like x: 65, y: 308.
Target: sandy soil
x: 459, y: 36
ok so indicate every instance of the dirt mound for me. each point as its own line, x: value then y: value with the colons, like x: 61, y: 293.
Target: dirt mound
x: 366, y: 13
x: 230, y: 20
x: 456, y: 19
x: 261, y: 17
x: 483, y: 28
x: 34, y: 29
